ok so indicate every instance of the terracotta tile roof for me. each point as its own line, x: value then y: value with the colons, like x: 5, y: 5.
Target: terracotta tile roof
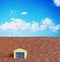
x: 40, y: 49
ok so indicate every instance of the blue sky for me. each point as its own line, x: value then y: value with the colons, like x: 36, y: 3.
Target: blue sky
x: 30, y: 18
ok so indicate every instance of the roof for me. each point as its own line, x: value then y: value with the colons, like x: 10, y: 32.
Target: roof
x: 44, y: 49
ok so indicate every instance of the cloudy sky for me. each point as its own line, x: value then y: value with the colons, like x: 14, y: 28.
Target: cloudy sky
x: 30, y: 18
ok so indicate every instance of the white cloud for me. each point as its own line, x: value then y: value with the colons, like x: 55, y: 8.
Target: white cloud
x: 47, y: 21
x: 42, y: 27
x: 55, y: 28
x: 19, y: 24
x: 15, y: 24
x: 56, y: 2
x: 24, y: 13
x: 35, y: 26
x: 12, y: 12
x: 47, y: 24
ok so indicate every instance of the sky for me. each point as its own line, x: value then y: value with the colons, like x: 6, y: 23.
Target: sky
x: 30, y: 18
